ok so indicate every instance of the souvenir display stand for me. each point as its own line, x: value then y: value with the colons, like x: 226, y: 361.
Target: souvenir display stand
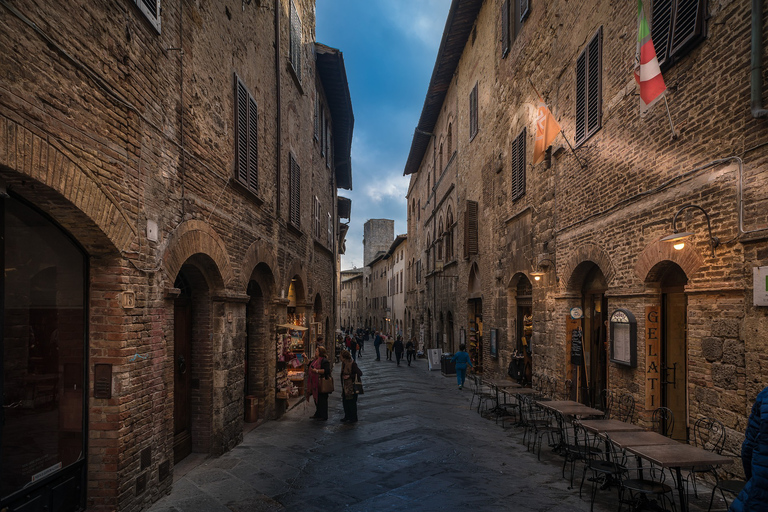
x: 291, y: 363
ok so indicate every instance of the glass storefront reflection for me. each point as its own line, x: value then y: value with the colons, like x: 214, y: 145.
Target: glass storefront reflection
x: 42, y: 378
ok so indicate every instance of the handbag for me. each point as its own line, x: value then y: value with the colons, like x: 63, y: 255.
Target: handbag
x: 326, y: 385
x: 358, y: 386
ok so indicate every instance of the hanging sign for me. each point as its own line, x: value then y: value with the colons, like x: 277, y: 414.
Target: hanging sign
x: 652, y: 357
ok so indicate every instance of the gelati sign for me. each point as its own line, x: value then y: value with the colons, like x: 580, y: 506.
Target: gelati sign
x: 652, y: 357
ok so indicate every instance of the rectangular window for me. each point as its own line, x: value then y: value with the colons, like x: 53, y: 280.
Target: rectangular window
x: 330, y: 230
x: 504, y: 28
x: 295, y: 192
x: 316, y: 217
x: 676, y: 27
x: 470, y: 229
x: 518, y: 166
x: 324, y: 131
x: 589, y: 89
x: 151, y: 10
x: 525, y: 9
x: 295, y: 41
x: 473, y: 112
x: 246, y: 151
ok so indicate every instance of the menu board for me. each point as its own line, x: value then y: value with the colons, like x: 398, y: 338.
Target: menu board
x: 577, y: 347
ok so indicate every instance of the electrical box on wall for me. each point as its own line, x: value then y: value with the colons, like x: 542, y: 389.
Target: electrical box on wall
x: 760, y: 286
x: 152, y: 231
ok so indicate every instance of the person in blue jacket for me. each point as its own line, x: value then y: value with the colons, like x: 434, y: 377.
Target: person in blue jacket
x: 754, y: 458
x: 462, y: 359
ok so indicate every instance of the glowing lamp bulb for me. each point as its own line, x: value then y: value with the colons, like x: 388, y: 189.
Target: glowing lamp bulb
x: 537, y: 278
x: 679, y: 246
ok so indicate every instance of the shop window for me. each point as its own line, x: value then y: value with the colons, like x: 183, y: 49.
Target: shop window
x: 42, y: 361
x: 449, y: 236
x: 295, y: 50
x: 246, y: 152
x: 151, y: 10
x: 295, y: 192
x: 589, y: 89
x: 518, y: 166
x: 470, y: 229
x: 676, y: 27
x: 473, y: 113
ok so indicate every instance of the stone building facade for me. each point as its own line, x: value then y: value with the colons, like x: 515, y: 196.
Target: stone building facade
x: 591, y: 221
x: 169, y: 176
x: 352, y: 299
x: 396, y: 284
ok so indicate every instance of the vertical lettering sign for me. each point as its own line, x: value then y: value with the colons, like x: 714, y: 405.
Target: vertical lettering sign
x: 652, y: 357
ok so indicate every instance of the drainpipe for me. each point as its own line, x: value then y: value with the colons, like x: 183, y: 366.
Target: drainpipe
x: 757, y: 60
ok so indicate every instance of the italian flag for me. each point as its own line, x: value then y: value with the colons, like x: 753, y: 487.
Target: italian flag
x: 647, y: 72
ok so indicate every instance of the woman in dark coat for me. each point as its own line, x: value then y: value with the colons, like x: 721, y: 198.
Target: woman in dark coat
x: 754, y: 457
x: 349, y: 370
x: 319, y: 368
x: 399, y: 348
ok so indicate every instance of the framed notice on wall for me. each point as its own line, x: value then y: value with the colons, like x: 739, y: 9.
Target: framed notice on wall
x: 623, y: 338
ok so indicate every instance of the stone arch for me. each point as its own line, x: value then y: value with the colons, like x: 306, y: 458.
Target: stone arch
x: 99, y: 223
x: 575, y: 274
x: 647, y: 267
x: 259, y: 253
x: 196, y: 237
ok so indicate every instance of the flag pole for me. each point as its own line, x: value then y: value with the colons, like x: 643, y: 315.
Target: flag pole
x: 669, y: 116
x: 581, y: 164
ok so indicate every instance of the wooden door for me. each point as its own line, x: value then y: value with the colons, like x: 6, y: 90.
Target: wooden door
x: 182, y: 440
x: 673, y: 353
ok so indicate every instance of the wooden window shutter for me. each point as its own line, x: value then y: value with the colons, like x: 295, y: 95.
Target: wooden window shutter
x: 581, y: 97
x: 253, y: 147
x: 688, y: 25
x: 241, y: 152
x: 295, y: 40
x: 470, y: 229
x: 295, y: 192
x: 594, y: 84
x: 504, y: 28
x: 589, y: 89
x: 661, y: 28
x: 525, y: 9
x: 518, y: 166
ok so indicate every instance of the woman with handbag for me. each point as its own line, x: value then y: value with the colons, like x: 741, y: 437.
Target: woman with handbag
x: 350, y: 375
x: 319, y: 381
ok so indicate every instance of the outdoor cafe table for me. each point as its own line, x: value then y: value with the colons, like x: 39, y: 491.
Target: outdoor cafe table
x: 676, y: 457
x: 644, y: 438
x: 570, y: 408
x: 501, y: 384
x: 610, y: 426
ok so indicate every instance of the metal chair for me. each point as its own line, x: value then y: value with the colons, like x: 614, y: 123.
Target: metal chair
x: 606, y: 402
x: 572, y: 447
x: 481, y: 392
x: 605, y: 470
x: 625, y: 409
x: 732, y: 487
x: 709, y: 434
x: 663, y: 421
x: 643, y: 482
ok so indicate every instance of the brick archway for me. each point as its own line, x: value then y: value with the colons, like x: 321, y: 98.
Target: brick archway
x: 30, y: 157
x: 197, y: 237
x: 647, y: 265
x: 259, y: 252
x: 587, y: 252
x: 296, y: 269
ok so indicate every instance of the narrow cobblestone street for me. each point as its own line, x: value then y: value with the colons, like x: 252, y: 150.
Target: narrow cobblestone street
x: 417, y: 446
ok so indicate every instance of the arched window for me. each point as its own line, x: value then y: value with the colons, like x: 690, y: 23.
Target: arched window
x: 442, y: 168
x: 429, y: 246
x: 449, y: 137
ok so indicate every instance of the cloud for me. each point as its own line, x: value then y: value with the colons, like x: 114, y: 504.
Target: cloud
x: 389, y: 188
x: 422, y: 20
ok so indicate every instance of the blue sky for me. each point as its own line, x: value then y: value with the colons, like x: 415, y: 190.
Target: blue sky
x: 389, y: 49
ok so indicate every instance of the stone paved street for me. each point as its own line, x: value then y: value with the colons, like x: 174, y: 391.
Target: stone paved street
x: 417, y: 446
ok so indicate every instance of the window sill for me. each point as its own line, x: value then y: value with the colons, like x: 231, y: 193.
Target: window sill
x: 295, y: 76
x: 253, y: 195
x: 294, y: 229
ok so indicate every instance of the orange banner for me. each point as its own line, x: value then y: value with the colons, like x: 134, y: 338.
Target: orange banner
x: 547, y: 129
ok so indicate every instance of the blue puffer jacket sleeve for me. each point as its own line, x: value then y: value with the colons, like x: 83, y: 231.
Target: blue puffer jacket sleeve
x: 754, y: 496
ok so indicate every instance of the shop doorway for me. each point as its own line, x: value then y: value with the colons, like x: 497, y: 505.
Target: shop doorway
x: 593, y: 377
x: 43, y: 376
x: 182, y: 350
x: 674, y: 306
x: 524, y: 324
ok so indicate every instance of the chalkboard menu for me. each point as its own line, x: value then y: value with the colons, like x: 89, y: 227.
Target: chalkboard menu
x: 577, y: 347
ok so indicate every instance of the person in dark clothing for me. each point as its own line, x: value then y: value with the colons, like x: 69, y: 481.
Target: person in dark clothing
x: 398, y: 348
x: 410, y: 351
x: 376, y: 345
x: 319, y: 368
x: 349, y: 371
x: 754, y: 458
x: 360, y: 341
x: 462, y: 359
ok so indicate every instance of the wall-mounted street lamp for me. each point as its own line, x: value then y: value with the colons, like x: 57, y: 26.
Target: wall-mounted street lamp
x: 678, y: 239
x: 539, y: 272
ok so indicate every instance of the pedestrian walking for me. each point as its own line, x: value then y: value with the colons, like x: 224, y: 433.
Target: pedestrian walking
x: 319, y: 368
x: 398, y: 348
x: 462, y: 359
x: 754, y: 458
x: 360, y: 341
x: 390, y: 342
x: 410, y: 351
x: 377, y: 344
x: 349, y: 372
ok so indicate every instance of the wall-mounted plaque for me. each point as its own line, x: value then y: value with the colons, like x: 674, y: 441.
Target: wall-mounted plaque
x: 623, y: 338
